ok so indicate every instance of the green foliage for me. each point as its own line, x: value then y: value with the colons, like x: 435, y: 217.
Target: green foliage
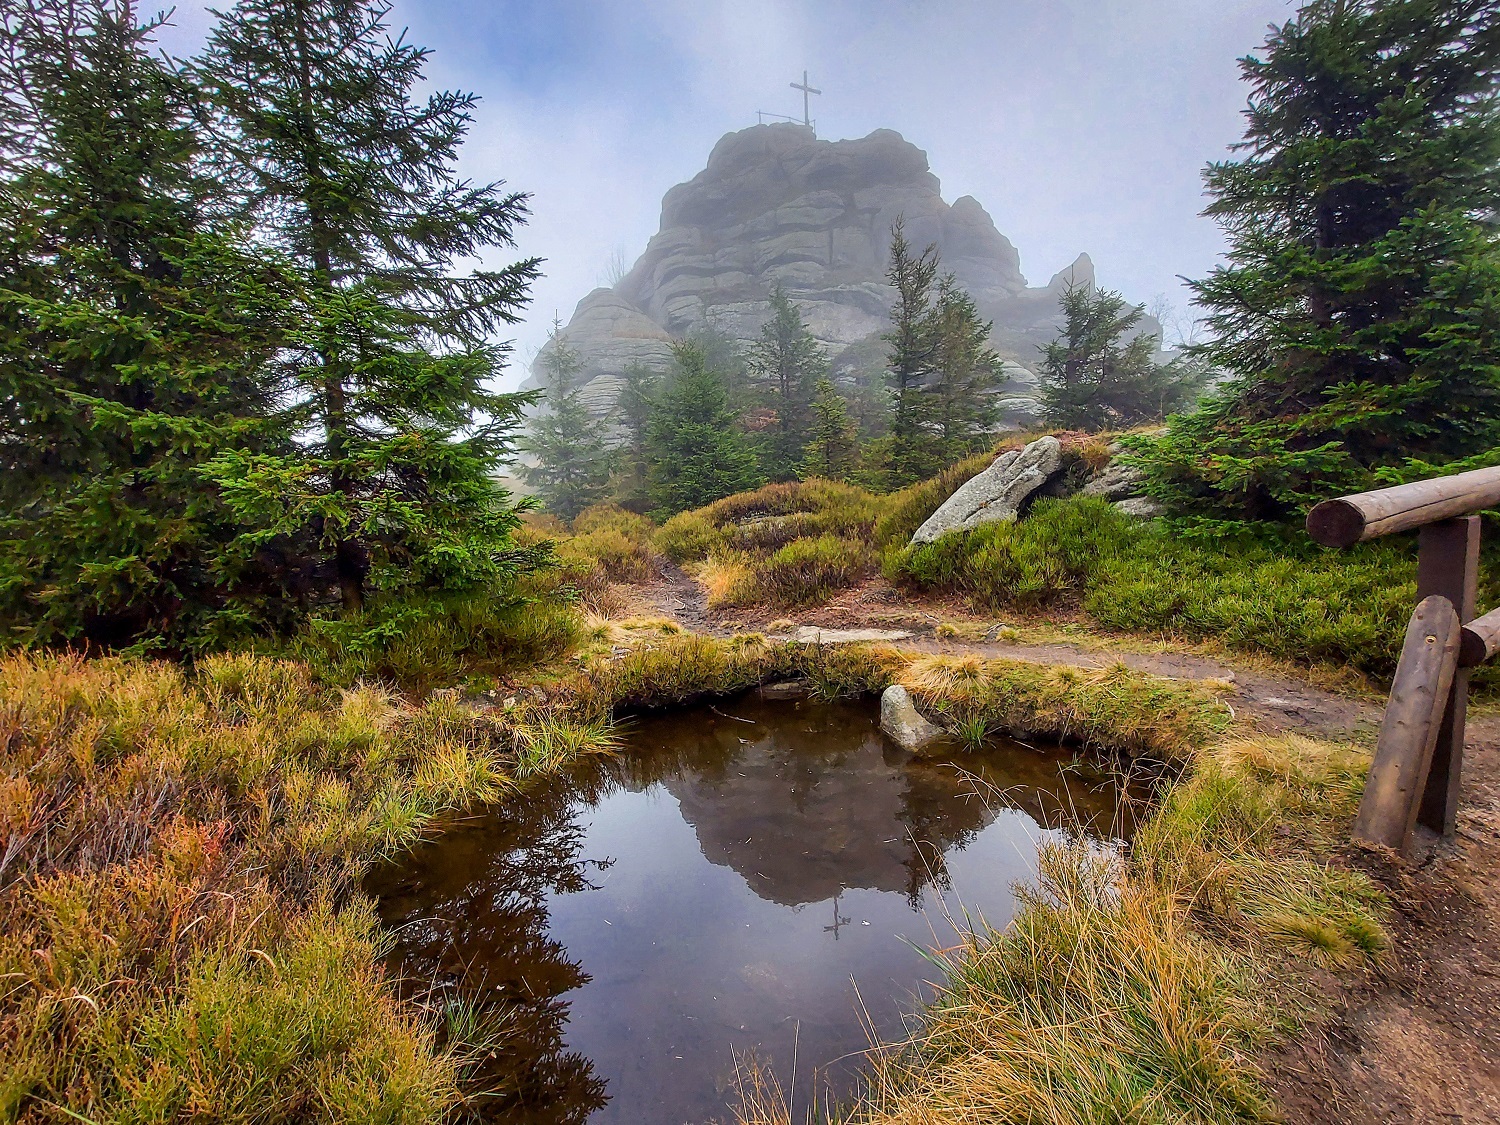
x: 636, y: 402
x: 135, y: 330
x: 573, y: 461
x: 1260, y: 591
x: 832, y: 449
x: 940, y: 366
x: 355, y: 183
x: 1359, y: 312
x: 1093, y: 378
x: 696, y: 453
x: 788, y: 368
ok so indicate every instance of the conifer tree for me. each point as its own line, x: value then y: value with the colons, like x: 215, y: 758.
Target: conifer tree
x: 1358, y: 317
x: 134, y: 334
x: 967, y: 373
x: 636, y: 403
x: 697, y: 454
x: 573, y: 460
x: 909, y: 451
x: 786, y: 364
x: 1094, y: 378
x: 832, y: 450
x: 354, y: 180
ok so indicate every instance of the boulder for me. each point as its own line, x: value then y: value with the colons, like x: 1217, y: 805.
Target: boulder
x: 812, y: 635
x: 1142, y: 507
x: 900, y: 719
x: 996, y: 493
x: 1118, y: 481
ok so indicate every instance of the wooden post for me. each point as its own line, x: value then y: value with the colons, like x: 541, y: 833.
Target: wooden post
x: 1448, y: 565
x: 1409, y: 731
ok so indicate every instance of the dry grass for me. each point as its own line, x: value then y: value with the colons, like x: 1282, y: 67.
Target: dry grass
x: 180, y: 935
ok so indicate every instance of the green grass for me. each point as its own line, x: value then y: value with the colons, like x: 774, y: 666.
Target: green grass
x: 1274, y: 594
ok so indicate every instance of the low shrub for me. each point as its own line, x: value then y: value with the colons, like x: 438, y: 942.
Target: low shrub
x: 1262, y: 590
x: 808, y: 570
x: 617, y: 541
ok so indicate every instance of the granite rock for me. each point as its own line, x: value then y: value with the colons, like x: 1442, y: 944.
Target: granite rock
x: 900, y: 719
x: 997, y: 492
x: 776, y: 205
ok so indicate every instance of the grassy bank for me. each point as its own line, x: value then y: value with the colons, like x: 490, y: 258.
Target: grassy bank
x: 180, y: 937
x: 1252, y: 588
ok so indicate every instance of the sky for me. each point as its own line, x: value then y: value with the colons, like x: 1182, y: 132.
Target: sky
x: 1080, y: 125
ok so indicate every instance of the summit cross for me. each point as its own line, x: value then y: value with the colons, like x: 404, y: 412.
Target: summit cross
x: 806, y: 105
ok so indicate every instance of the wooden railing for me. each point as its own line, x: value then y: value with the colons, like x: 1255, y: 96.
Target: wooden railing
x: 1419, y: 755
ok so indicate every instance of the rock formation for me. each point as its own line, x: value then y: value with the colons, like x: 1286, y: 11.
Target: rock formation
x: 995, y: 493
x: 777, y: 205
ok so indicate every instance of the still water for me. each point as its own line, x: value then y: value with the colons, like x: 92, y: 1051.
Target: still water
x: 754, y: 879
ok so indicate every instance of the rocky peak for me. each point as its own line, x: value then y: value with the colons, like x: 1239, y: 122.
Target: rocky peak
x: 777, y: 205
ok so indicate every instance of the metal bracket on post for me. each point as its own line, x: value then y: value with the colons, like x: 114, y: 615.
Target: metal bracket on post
x: 1448, y: 565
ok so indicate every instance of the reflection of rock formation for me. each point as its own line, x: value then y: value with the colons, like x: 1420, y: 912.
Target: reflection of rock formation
x: 775, y: 205
x: 808, y: 809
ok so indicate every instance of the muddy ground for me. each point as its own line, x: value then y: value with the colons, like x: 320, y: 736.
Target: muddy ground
x: 1417, y: 1039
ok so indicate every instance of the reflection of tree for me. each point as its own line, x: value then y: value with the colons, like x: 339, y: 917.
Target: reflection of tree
x: 470, y: 919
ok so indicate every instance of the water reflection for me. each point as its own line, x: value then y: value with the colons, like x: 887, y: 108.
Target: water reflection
x: 714, y: 892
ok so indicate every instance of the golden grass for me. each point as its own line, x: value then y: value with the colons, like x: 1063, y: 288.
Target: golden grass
x: 180, y: 932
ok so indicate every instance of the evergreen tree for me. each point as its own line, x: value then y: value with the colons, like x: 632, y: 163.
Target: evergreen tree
x: 1358, y: 316
x: 832, y: 450
x: 910, y: 452
x: 134, y: 331
x: 697, y: 455
x: 573, y: 460
x: 968, y: 371
x: 786, y: 364
x: 635, y: 405
x: 354, y: 181
x: 1096, y: 375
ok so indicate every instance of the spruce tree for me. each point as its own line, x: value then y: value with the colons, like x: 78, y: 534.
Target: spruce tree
x: 697, y: 454
x: 354, y: 181
x: 635, y: 405
x: 134, y: 333
x: 967, y: 373
x: 1100, y: 373
x: 832, y: 450
x: 909, y: 451
x: 1358, y: 317
x: 786, y: 364
x: 573, y: 459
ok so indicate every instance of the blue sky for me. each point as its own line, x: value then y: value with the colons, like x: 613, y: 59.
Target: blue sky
x: 1080, y: 125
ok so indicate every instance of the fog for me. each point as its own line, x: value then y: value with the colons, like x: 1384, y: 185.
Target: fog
x: 1080, y: 125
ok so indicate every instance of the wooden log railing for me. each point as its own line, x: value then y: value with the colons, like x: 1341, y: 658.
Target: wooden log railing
x: 1414, y: 778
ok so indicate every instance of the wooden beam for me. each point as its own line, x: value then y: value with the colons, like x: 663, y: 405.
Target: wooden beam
x: 1351, y: 519
x: 1448, y: 565
x: 1480, y: 641
x: 1409, y: 731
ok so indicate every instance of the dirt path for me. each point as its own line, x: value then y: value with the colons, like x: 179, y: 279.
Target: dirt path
x: 1415, y: 1040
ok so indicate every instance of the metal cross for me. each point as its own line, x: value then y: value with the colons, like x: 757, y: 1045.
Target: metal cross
x: 806, y: 105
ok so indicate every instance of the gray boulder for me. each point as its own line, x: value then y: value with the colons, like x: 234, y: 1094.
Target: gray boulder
x: 1118, y: 481
x: 900, y: 719
x: 996, y: 493
x: 1142, y: 507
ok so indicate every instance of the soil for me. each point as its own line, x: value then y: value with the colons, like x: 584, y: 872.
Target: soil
x: 1417, y: 1039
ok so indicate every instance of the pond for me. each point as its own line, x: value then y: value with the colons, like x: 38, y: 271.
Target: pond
x: 760, y: 879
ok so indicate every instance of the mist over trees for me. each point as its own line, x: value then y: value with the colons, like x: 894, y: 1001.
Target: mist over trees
x: 1102, y: 373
